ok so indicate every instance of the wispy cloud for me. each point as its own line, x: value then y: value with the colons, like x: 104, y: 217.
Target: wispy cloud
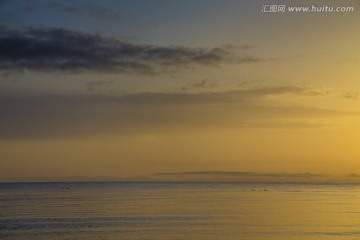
x: 5, y: 1
x: 200, y: 84
x: 91, y: 11
x: 226, y: 176
x: 351, y: 95
x: 69, y: 116
x: 86, y: 10
x: 32, y: 8
x: 59, y: 49
x: 93, y: 85
x: 353, y: 175
x: 228, y: 173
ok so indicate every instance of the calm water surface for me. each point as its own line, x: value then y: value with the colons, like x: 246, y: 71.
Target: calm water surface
x: 171, y: 211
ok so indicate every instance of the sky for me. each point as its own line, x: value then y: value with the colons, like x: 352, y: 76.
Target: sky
x: 128, y: 88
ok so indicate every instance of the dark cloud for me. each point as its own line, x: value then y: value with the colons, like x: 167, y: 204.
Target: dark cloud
x: 69, y: 50
x: 34, y: 117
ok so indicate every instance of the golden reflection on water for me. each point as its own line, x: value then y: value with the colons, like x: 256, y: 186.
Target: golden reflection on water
x: 180, y: 211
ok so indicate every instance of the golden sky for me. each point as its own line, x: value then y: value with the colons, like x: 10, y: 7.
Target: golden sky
x: 130, y: 88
